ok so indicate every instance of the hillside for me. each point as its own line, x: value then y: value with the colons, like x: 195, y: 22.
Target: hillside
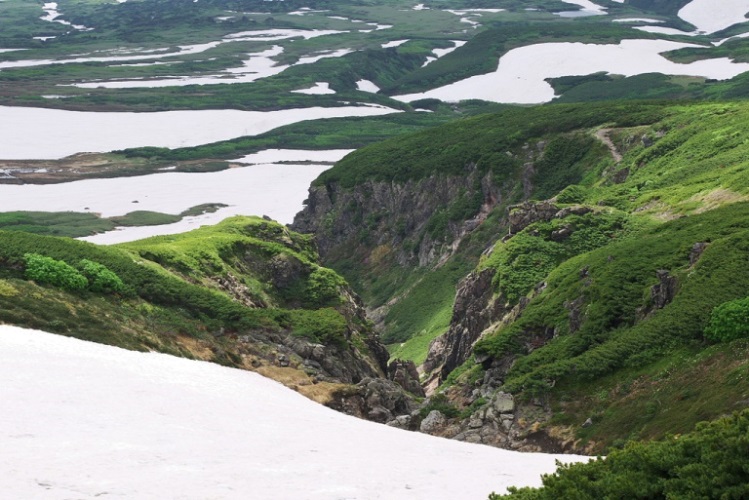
x: 599, y: 240
x: 246, y: 293
x: 527, y: 229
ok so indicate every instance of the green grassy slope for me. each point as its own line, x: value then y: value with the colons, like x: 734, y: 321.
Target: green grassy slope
x: 193, y: 294
x: 497, y: 145
x: 638, y: 367
x: 595, y: 341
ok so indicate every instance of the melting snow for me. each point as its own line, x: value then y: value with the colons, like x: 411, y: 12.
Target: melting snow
x: 516, y: 80
x: 84, y: 420
x: 36, y: 133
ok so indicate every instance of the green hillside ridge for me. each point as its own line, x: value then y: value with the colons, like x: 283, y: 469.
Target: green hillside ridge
x: 497, y: 145
x: 231, y: 293
x: 631, y: 365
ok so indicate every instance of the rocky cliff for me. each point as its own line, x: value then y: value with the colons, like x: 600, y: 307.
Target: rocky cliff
x: 406, y: 222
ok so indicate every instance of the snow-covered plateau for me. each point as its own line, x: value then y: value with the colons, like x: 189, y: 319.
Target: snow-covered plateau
x: 38, y: 133
x: 84, y: 420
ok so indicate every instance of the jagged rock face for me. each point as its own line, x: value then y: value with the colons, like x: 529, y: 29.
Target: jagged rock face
x: 404, y: 374
x: 475, y: 309
x: 376, y: 217
x: 696, y: 252
x: 525, y: 214
x: 376, y: 399
x: 664, y: 292
x: 329, y: 362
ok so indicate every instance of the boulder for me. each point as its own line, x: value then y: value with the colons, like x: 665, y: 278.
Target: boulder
x: 433, y: 422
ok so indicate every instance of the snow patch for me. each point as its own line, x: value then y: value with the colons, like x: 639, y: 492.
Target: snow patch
x: 367, y: 86
x: 517, y: 81
x: 320, y: 88
x: 83, y: 420
x: 710, y: 16
x: 37, y: 133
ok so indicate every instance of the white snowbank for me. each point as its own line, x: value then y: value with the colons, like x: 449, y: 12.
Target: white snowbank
x: 636, y: 20
x: 37, y: 133
x: 259, y: 65
x: 710, y: 16
x: 137, y: 55
x: 665, y: 30
x: 587, y: 5
x: 319, y: 88
x: 367, y: 86
x: 394, y: 43
x: 52, y: 15
x: 521, y: 73
x: 275, y: 190
x: 84, y: 420
x: 284, y: 155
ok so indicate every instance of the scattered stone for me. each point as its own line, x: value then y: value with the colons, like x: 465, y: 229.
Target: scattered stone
x: 696, y: 252
x: 401, y: 422
x: 588, y: 422
x: 283, y: 360
x: 664, y: 292
x: 475, y: 422
x: 433, y: 422
x: 561, y: 234
x: 379, y: 414
x: 503, y: 403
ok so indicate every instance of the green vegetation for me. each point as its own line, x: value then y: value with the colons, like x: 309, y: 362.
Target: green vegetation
x: 245, y: 275
x: 530, y: 256
x: 54, y: 272
x: 617, y: 301
x: 70, y: 224
x: 333, y: 133
x: 100, y: 278
x: 729, y: 321
x: 441, y: 404
x: 707, y: 463
x: 76, y: 224
x: 483, y: 141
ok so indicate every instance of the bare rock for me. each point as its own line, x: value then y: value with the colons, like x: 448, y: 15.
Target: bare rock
x: 401, y: 422
x: 664, y: 292
x: 696, y: 252
x: 503, y: 403
x: 433, y: 422
x: 525, y: 214
x: 404, y: 374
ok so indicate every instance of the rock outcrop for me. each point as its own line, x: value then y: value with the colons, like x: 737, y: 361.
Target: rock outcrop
x: 475, y: 309
x: 376, y: 399
x: 376, y: 218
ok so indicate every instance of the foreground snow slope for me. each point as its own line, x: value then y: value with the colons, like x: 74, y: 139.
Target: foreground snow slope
x: 83, y: 420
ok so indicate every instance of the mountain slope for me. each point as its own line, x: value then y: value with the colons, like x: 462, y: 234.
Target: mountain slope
x: 246, y: 293
x: 599, y: 253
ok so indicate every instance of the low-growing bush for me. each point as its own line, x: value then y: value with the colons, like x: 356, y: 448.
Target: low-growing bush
x: 54, y: 272
x: 100, y: 278
x: 729, y: 321
x: 707, y: 463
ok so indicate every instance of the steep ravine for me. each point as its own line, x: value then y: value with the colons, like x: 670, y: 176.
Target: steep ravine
x: 580, y: 322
